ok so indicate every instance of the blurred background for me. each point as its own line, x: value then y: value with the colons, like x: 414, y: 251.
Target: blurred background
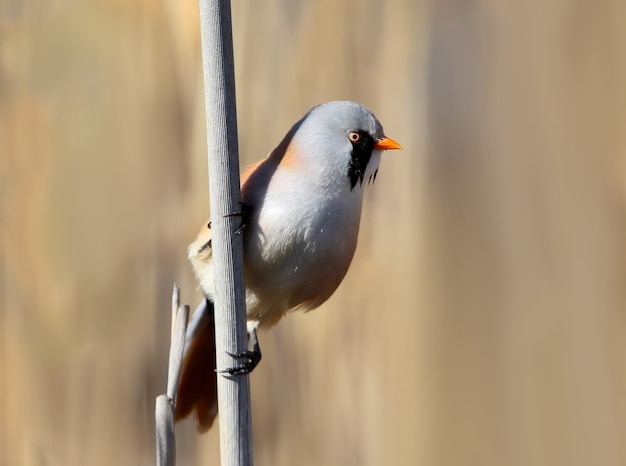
x: 483, y: 321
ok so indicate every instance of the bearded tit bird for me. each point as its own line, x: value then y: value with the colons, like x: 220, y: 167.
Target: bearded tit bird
x: 301, y: 214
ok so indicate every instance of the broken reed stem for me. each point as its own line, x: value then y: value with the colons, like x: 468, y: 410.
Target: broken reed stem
x: 165, y: 408
x: 177, y: 348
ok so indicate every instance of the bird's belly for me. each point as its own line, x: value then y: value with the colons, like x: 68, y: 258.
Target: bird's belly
x: 297, y: 263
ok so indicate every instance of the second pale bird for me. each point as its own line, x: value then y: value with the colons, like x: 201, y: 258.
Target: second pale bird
x: 302, y: 209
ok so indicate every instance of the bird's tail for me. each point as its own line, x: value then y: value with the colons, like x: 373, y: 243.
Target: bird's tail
x: 197, y: 389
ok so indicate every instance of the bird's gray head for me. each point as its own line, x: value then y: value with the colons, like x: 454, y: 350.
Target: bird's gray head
x: 341, y: 139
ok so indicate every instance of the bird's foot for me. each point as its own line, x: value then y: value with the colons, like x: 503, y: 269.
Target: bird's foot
x: 243, y: 213
x: 251, y: 358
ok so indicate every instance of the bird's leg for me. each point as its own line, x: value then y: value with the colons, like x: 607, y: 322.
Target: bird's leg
x: 243, y: 212
x: 251, y: 358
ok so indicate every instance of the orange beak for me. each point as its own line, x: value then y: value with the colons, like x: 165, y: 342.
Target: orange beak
x: 386, y: 143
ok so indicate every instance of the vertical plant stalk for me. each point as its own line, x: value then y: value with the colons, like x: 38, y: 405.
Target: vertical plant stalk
x: 166, y: 404
x: 223, y: 162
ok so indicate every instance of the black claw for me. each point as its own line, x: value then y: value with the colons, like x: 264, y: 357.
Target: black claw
x: 252, y: 358
x: 243, y: 213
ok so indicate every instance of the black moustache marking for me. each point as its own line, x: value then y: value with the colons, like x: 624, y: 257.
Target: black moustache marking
x: 360, y: 157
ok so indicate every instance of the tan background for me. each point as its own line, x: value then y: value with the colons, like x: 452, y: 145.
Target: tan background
x: 483, y: 321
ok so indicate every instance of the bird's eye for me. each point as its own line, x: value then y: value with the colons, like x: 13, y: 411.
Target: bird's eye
x: 354, y: 136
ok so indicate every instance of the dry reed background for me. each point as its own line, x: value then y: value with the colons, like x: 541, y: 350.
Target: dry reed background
x: 483, y: 320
